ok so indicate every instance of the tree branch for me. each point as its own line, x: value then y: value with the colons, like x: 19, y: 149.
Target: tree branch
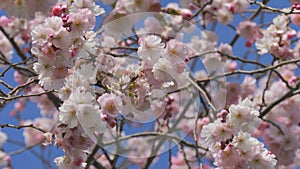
x: 14, y: 44
x: 22, y: 126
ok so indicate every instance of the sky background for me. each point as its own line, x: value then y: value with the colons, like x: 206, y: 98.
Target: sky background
x: 28, y: 160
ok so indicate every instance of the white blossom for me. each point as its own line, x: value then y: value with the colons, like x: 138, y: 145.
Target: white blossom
x: 151, y: 48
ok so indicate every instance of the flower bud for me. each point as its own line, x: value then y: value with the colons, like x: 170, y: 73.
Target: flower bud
x: 56, y: 11
x: 186, y: 13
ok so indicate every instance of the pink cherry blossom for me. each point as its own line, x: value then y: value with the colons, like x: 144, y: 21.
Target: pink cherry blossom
x: 151, y: 81
x: 33, y: 136
x: 295, y: 18
x: 82, y: 21
x: 5, y: 48
x: 4, y: 158
x: 224, y: 16
x: 110, y: 104
x: 3, y: 138
x: 27, y: 8
x: 249, y: 30
x: 239, y: 6
x: 151, y: 48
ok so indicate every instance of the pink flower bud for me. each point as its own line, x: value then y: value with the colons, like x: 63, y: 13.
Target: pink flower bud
x: 187, y: 59
x: 56, y: 11
x: 295, y: 18
x: 293, y: 80
x: 19, y: 106
x: 12, y: 113
x: 64, y: 8
x: 109, y: 119
x: 4, y: 21
x: 231, y: 8
x: 128, y: 41
x: 7, y: 159
x: 140, y: 41
x: 19, y: 78
x: 25, y: 37
x: 169, y: 108
x: 291, y: 34
x: 78, y: 162
x: 263, y: 126
x: 69, y: 21
x: 186, y: 13
x: 232, y: 66
x: 248, y: 44
x: 68, y: 29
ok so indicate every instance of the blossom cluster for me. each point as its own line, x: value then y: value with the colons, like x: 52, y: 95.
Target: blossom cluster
x: 228, y: 137
x: 57, y: 41
x: 276, y: 39
x: 125, y: 93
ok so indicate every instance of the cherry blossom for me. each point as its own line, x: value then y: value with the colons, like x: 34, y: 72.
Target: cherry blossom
x: 4, y: 158
x: 250, y: 31
x: 6, y: 48
x: 33, y: 136
x: 129, y: 83
x: 27, y: 8
x: 3, y: 138
x: 295, y: 19
x: 151, y: 48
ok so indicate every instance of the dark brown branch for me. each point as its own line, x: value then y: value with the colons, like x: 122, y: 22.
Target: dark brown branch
x: 23, y: 70
x: 281, y: 99
x: 251, y: 72
x: 14, y: 44
x: 22, y: 126
x: 273, y: 10
x: 252, y: 17
x: 200, y: 10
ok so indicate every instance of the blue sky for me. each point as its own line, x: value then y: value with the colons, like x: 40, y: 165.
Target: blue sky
x: 28, y: 160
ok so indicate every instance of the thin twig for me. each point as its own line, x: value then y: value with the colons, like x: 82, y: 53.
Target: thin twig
x: 22, y: 126
x: 281, y: 99
x: 14, y: 44
x: 203, y: 93
x: 150, y: 134
x: 200, y: 10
